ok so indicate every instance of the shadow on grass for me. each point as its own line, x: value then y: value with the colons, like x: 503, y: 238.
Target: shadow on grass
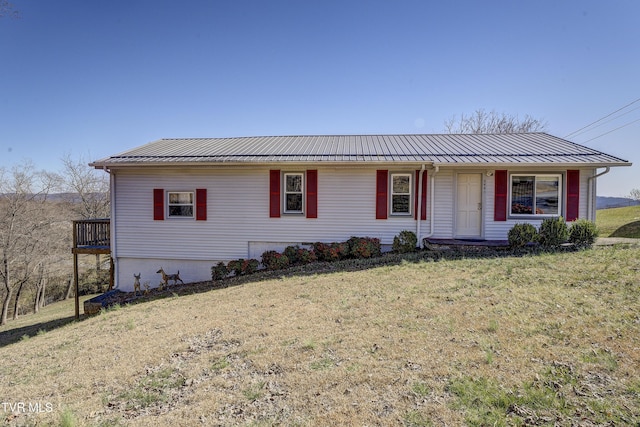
x: 11, y: 336
x: 630, y: 230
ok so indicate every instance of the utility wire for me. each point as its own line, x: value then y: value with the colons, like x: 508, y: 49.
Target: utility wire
x: 576, y: 133
x: 602, y: 118
x: 613, y: 130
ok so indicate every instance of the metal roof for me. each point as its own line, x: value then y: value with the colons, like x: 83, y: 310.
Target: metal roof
x: 486, y: 149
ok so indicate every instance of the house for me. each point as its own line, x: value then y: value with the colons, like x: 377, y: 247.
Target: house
x: 186, y: 204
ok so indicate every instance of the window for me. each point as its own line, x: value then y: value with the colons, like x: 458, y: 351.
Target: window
x: 536, y: 194
x: 401, y: 193
x: 180, y: 204
x: 293, y: 193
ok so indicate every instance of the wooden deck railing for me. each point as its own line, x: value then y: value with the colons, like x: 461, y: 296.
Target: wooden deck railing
x: 90, y: 236
x: 92, y: 233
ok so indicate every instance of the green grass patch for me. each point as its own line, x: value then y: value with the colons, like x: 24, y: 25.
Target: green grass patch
x: 154, y: 389
x: 254, y: 392
x: 619, y: 222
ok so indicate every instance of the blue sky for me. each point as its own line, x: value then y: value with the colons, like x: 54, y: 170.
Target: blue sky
x: 94, y: 78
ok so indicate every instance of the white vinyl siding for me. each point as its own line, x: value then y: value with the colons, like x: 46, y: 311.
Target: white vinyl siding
x: 238, y: 212
x: 238, y: 216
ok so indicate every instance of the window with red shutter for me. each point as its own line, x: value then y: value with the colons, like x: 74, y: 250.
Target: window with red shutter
x: 274, y: 193
x: 201, y: 204
x: 312, y: 193
x: 500, y: 198
x: 382, y: 188
x: 158, y: 204
x: 573, y: 195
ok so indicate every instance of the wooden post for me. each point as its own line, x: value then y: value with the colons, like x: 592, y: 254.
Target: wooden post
x: 75, y: 280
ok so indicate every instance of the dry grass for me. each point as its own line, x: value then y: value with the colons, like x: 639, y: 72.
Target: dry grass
x: 533, y: 340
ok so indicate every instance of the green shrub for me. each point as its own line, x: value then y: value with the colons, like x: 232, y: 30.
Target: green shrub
x: 405, y: 242
x: 521, y: 235
x: 219, y: 271
x: 330, y: 251
x: 243, y: 266
x: 298, y: 255
x: 553, y: 232
x: 583, y: 233
x: 364, y: 247
x: 273, y: 260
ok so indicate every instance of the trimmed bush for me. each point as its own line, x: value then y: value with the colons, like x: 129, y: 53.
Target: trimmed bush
x: 330, y: 251
x: 521, y: 235
x: 364, y: 247
x: 219, y: 271
x: 298, y: 255
x: 583, y: 233
x: 273, y: 260
x: 553, y: 232
x: 405, y: 242
x: 243, y: 266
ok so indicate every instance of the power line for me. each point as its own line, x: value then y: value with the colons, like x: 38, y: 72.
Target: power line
x: 576, y: 133
x: 613, y: 130
x: 602, y: 118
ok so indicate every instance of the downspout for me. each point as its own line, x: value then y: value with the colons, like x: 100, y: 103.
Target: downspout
x: 432, y: 197
x: 419, y: 210
x: 112, y: 243
x: 591, y: 193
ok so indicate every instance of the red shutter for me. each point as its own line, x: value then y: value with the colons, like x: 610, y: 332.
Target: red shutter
x: 382, y: 203
x: 573, y: 195
x: 274, y: 193
x: 312, y: 193
x: 423, y: 199
x: 500, y: 200
x: 158, y: 204
x: 201, y: 204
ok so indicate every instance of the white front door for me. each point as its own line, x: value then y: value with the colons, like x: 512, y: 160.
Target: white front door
x: 469, y: 205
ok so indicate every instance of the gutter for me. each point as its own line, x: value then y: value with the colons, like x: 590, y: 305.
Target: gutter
x: 114, y: 254
x: 591, y: 193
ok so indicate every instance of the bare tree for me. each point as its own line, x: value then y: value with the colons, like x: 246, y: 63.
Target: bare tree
x: 89, y: 188
x: 40, y: 285
x: 493, y: 122
x: 89, y: 191
x: 6, y: 9
x: 25, y: 223
x: 635, y: 194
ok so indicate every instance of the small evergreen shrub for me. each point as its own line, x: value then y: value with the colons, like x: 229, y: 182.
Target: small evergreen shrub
x: 583, y: 233
x: 298, y: 255
x: 364, y: 247
x: 273, y: 260
x: 330, y: 251
x: 553, y: 232
x: 405, y: 242
x: 219, y: 271
x: 243, y: 266
x: 521, y: 235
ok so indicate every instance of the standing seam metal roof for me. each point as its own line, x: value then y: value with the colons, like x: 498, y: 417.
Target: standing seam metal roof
x: 519, y: 148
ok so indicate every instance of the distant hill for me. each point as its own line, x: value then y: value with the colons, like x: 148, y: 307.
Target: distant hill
x: 614, y: 202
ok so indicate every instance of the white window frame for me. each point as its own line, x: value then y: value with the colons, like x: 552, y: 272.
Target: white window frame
x: 535, y: 176
x: 392, y: 193
x: 285, y: 193
x: 192, y: 204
